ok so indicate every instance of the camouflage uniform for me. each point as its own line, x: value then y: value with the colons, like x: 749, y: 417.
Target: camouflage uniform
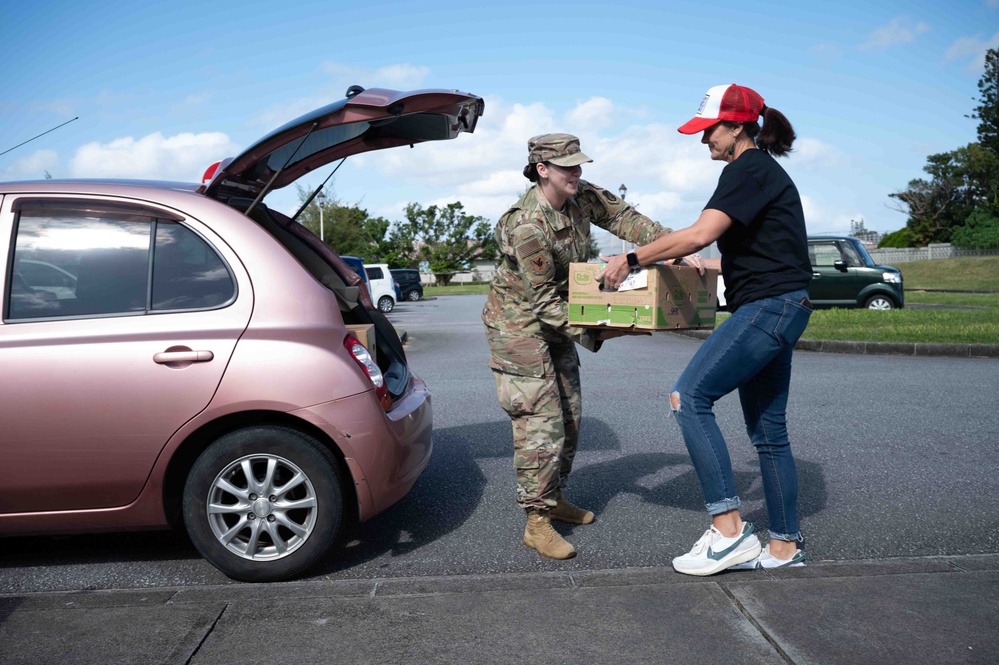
x: 533, y: 354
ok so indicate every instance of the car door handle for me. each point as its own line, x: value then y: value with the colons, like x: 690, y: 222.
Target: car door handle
x: 816, y: 274
x: 170, y: 356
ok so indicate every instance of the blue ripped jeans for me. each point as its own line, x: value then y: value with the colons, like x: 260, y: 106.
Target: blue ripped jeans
x: 750, y: 351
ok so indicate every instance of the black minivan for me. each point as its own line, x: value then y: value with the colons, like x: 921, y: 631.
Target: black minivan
x: 410, y: 286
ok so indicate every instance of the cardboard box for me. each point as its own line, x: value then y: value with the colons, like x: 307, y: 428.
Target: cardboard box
x: 365, y: 334
x: 659, y: 297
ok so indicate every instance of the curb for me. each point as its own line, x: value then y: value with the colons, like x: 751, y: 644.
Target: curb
x: 881, y: 348
x: 400, y: 587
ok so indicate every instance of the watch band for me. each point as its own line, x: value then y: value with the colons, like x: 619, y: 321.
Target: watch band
x: 632, y: 259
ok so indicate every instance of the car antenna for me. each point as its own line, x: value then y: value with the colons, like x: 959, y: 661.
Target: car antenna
x: 35, y: 137
x: 266, y: 190
x: 318, y: 189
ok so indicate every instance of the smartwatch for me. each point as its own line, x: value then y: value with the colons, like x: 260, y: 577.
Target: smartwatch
x: 633, y: 260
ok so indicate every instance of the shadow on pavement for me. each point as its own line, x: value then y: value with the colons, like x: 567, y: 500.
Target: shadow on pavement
x: 447, y: 494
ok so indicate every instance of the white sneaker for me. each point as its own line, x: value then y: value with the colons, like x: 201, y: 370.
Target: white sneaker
x: 714, y: 552
x: 768, y: 560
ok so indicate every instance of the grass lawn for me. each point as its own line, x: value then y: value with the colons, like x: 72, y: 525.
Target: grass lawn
x: 910, y: 324
x: 455, y: 290
x: 973, y: 273
x: 905, y: 325
x: 952, y: 299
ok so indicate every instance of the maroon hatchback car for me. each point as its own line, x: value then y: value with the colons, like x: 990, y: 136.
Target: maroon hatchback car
x: 181, y: 354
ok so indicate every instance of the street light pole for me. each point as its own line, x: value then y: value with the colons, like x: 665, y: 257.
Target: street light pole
x: 623, y: 191
x: 321, y: 198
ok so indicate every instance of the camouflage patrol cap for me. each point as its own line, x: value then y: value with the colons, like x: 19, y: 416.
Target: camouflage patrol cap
x: 558, y: 149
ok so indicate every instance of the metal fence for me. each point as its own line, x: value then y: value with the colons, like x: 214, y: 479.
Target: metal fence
x: 484, y: 273
x: 891, y: 256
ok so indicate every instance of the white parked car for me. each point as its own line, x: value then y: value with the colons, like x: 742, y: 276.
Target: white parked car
x: 382, y: 285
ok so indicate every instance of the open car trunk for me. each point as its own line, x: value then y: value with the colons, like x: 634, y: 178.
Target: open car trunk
x: 351, y: 294
x: 364, y: 120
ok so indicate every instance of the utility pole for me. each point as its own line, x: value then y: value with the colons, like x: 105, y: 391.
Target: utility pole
x: 321, y: 199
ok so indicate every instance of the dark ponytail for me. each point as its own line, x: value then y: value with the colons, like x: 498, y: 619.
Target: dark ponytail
x: 531, y: 172
x: 777, y: 135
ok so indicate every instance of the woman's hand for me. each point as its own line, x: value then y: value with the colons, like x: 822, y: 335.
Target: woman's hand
x: 615, y: 272
x: 695, y: 261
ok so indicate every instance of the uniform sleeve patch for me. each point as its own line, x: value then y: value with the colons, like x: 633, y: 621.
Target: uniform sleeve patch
x: 540, y: 265
x: 535, y: 260
x: 529, y: 247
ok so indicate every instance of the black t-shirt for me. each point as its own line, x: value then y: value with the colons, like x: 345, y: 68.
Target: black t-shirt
x: 764, y: 251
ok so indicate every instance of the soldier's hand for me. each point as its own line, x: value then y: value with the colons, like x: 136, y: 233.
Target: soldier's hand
x: 614, y: 272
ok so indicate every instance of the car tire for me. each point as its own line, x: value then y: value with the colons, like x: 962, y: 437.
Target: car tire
x: 413, y: 296
x: 386, y: 304
x: 879, y: 302
x: 302, y: 521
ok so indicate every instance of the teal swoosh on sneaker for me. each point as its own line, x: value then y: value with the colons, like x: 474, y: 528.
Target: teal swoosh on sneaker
x: 797, y: 559
x: 718, y: 556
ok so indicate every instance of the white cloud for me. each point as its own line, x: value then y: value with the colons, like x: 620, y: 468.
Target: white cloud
x: 183, y: 157
x: 972, y: 49
x: 813, y: 154
x: 814, y: 215
x: 668, y: 175
x: 592, y: 114
x: 498, y: 145
x: 34, y: 166
x: 900, y: 30
x: 819, y: 218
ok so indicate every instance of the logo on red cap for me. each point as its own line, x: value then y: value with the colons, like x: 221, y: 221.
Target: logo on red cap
x: 731, y: 103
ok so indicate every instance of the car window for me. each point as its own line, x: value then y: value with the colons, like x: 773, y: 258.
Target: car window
x: 824, y: 254
x: 374, y: 273
x: 103, y: 257
x: 851, y: 255
x: 187, y: 273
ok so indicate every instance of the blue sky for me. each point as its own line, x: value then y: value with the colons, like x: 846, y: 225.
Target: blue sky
x: 163, y: 89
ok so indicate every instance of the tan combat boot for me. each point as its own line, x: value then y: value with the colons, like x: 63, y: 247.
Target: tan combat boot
x: 540, y: 535
x: 566, y: 512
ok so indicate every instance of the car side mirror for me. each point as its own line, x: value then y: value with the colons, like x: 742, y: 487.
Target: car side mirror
x: 840, y: 265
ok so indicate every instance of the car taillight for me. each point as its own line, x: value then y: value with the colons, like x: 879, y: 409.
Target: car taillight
x: 364, y: 359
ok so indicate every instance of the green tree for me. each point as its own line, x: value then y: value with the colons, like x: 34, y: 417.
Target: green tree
x: 987, y: 111
x: 594, y: 250
x: 348, y: 229
x: 963, y: 181
x: 981, y: 231
x: 446, y: 238
x: 900, y: 238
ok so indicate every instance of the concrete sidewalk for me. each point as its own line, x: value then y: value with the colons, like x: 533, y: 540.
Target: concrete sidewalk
x: 925, y: 610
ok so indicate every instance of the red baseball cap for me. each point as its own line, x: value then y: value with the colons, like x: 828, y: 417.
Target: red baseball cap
x: 733, y: 103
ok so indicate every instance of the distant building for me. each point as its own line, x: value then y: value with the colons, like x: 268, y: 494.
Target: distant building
x: 869, y: 238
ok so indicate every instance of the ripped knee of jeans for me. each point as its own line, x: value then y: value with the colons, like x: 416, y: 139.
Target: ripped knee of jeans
x: 674, y: 401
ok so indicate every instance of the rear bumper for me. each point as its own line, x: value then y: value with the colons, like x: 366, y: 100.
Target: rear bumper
x: 385, y: 452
